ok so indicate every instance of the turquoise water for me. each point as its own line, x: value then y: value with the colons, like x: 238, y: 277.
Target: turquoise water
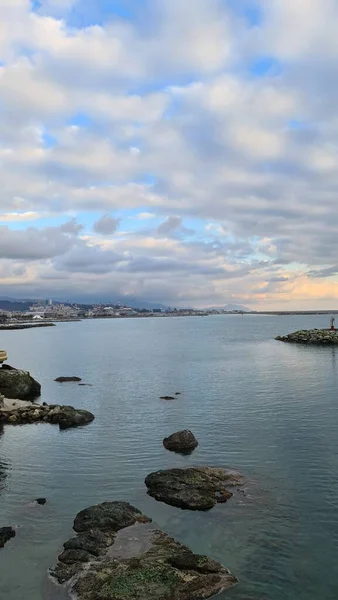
x: 263, y: 407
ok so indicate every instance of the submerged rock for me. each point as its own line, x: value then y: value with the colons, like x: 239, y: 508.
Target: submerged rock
x: 15, y: 383
x: 41, y: 501
x: 321, y: 337
x: 67, y: 379
x: 112, y: 559
x: 167, y: 398
x: 194, y: 488
x: 181, y: 441
x: 6, y: 533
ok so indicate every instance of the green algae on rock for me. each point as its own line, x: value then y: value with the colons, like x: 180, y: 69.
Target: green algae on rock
x: 319, y: 337
x: 112, y: 560
x: 194, y: 488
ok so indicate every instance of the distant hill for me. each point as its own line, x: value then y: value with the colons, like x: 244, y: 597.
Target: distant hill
x: 237, y: 307
x: 15, y: 305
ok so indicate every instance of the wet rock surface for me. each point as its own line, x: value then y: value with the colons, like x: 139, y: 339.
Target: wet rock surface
x: 6, y: 534
x: 321, y: 337
x: 194, y: 488
x: 64, y: 416
x: 181, y: 441
x: 15, y: 383
x: 117, y: 561
x: 167, y: 398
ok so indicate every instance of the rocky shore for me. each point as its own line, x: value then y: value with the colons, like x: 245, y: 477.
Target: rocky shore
x: 321, y: 337
x: 21, y: 413
x: 119, y: 554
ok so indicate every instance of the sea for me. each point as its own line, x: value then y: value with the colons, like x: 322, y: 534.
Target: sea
x: 262, y: 407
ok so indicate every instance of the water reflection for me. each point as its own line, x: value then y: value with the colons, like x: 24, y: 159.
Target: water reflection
x: 3, y: 465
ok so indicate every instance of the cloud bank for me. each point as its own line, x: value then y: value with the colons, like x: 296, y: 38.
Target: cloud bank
x: 180, y: 152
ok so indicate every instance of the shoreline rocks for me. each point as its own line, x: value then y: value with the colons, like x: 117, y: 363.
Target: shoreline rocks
x: 64, y: 416
x: 320, y: 337
x: 193, y: 488
x: 119, y: 554
x: 6, y: 534
x: 15, y: 383
x: 183, y: 442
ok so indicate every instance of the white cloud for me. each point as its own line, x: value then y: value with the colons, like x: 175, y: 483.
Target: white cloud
x: 91, y: 113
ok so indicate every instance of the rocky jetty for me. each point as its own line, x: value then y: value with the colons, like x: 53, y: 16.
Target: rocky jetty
x: 22, y: 413
x: 15, y: 383
x: 183, y: 442
x: 119, y: 554
x: 6, y: 534
x: 194, y: 488
x: 15, y: 326
x: 322, y: 337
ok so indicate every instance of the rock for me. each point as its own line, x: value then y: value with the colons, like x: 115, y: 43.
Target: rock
x: 182, y: 441
x: 67, y: 379
x: 311, y: 336
x: 194, y: 488
x: 85, y: 384
x: 6, y: 533
x: 15, y: 383
x: 44, y: 404
x: 13, y: 419
x: 167, y: 398
x: 137, y: 562
x: 41, y: 501
x: 94, y: 541
x: 177, y: 393
x: 108, y: 517
x: 71, y: 417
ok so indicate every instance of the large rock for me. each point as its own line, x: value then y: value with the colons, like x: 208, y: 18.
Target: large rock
x: 194, y: 488
x: 181, y: 441
x: 15, y: 383
x: 6, y: 533
x: 113, y: 560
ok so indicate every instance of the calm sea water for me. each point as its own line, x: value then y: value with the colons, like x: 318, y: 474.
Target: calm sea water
x: 265, y: 408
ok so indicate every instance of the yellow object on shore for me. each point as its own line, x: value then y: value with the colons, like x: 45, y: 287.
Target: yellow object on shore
x: 3, y: 356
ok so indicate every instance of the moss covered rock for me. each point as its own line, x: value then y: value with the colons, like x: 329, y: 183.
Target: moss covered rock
x: 136, y: 562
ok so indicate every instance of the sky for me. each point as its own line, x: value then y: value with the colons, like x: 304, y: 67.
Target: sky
x: 181, y: 152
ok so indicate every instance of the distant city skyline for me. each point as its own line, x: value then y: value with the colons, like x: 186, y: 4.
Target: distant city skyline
x: 180, y: 152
